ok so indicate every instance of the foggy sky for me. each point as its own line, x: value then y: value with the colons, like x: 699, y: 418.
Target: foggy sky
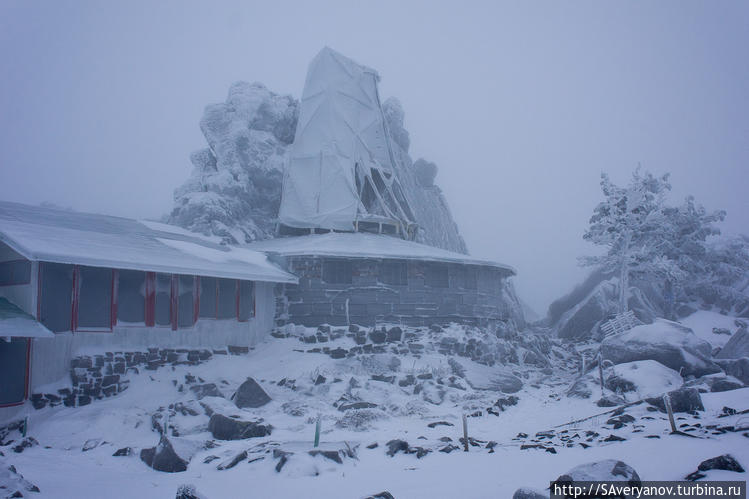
x: 522, y: 104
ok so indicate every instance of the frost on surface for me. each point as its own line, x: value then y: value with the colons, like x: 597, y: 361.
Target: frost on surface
x: 234, y: 190
x: 235, y: 186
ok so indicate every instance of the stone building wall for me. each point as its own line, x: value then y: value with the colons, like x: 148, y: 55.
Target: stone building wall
x: 471, y: 294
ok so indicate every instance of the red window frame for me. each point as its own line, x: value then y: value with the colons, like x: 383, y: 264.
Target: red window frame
x: 74, y: 327
x: 27, y: 376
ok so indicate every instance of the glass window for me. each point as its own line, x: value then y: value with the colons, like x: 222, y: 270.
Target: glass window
x: 246, y: 300
x: 471, y: 281
x: 13, y: 370
x: 15, y: 272
x: 208, y: 297
x: 394, y: 272
x: 131, y: 297
x: 436, y: 276
x: 57, y: 296
x: 336, y: 271
x: 185, y: 303
x: 227, y: 299
x: 162, y: 306
x: 94, y: 298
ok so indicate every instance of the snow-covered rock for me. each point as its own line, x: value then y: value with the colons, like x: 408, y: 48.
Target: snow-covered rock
x: 644, y: 378
x: 250, y: 394
x: 670, y: 343
x: 13, y: 484
x: 737, y: 347
x: 163, y: 457
x: 719, y: 382
x: 606, y: 470
x: 526, y: 493
x: 685, y: 399
x: 224, y: 428
x: 738, y: 368
x: 234, y: 190
x: 581, y: 321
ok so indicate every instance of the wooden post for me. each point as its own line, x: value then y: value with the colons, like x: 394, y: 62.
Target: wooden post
x: 582, y: 364
x: 317, y: 431
x: 465, y: 434
x: 25, y: 426
x: 600, y: 371
x: 667, y: 403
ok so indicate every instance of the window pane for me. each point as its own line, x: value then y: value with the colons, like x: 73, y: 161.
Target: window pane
x: 394, y: 273
x: 94, y: 298
x: 471, y: 281
x: 436, y: 276
x: 12, y: 371
x: 15, y: 272
x: 208, y: 297
x: 227, y: 299
x: 337, y: 271
x: 246, y: 289
x: 131, y: 297
x: 163, y: 299
x: 185, y: 304
x: 57, y: 293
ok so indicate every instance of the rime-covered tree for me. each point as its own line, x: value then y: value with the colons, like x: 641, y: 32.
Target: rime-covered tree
x: 630, y: 223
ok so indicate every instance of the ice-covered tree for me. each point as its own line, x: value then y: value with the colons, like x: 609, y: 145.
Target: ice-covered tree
x: 630, y: 223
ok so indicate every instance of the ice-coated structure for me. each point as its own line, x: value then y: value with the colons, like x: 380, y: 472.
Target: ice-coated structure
x: 234, y: 190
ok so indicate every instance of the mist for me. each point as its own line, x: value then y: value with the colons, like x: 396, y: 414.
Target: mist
x: 521, y: 106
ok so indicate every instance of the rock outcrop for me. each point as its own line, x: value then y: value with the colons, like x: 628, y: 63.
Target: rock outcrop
x: 669, y: 343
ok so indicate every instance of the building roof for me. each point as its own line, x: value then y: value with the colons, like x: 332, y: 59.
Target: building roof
x: 61, y: 236
x: 363, y: 245
x: 16, y: 322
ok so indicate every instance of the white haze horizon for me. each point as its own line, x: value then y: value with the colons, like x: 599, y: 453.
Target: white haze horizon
x: 521, y: 105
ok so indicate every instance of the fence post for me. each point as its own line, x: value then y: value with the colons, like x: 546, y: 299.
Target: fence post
x: 667, y: 403
x: 600, y: 371
x: 465, y: 433
x: 317, y: 431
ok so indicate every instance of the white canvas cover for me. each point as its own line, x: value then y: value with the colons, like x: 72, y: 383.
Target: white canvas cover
x: 341, y: 166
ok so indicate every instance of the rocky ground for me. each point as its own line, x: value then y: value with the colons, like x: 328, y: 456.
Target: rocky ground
x: 389, y: 403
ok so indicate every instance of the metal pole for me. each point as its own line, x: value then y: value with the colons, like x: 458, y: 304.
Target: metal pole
x: 465, y: 434
x: 317, y: 431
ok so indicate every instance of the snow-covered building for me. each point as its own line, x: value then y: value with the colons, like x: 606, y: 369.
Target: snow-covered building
x: 349, y: 229
x: 72, y: 282
x: 365, y: 279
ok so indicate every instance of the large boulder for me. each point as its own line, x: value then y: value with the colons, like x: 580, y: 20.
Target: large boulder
x: 601, y: 471
x: 669, y: 343
x: 641, y: 379
x: 527, y: 493
x: 224, y: 428
x: 685, y: 399
x: 582, y: 319
x: 738, y: 368
x: 163, y: 457
x: 250, y: 394
x: 737, y: 347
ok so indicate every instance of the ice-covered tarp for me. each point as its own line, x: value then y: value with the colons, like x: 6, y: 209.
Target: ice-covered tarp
x: 361, y: 244
x: 60, y: 236
x: 16, y: 322
x: 341, y: 164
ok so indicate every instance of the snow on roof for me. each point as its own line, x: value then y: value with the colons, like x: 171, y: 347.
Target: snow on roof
x: 359, y: 244
x: 60, y: 236
x: 16, y: 322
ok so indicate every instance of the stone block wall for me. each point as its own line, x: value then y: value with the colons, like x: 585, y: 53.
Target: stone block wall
x: 479, y: 299
x: 104, y: 375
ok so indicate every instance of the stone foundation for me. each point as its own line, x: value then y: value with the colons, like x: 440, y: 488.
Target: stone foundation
x: 98, y: 376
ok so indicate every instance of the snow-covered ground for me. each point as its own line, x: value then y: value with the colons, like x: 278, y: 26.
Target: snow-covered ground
x: 60, y: 467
